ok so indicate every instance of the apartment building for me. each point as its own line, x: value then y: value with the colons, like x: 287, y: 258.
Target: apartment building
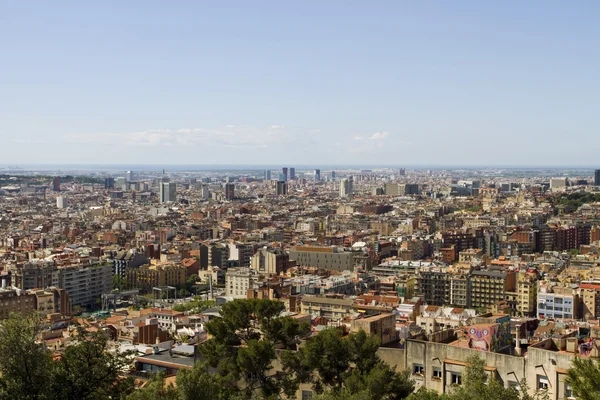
x: 15, y: 301
x: 270, y: 261
x: 590, y: 299
x: 332, y: 258
x: 86, y: 282
x: 332, y: 308
x: 558, y: 302
x: 146, y: 277
x: 489, y: 287
x: 238, y: 281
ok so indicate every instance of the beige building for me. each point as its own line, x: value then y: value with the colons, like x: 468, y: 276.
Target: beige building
x: 331, y: 308
x: 238, y: 281
x: 269, y: 261
x: 382, y: 326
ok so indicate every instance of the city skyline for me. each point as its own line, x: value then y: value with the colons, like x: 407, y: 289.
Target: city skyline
x: 466, y: 84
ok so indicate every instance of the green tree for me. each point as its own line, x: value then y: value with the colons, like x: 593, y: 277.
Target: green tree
x: 25, y: 364
x: 156, y: 389
x: 102, y: 378
x: 243, y: 344
x: 584, y: 378
x: 342, y: 367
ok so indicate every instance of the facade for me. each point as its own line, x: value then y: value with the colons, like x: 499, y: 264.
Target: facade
x: 238, y: 281
x: 61, y: 202
x: 15, y: 301
x: 168, y: 192
x: 147, y: 277
x: 331, y: 258
x: 382, y: 326
x: 281, y: 188
x: 292, y: 174
x: 85, y: 283
x: 345, y: 187
x: 284, y: 172
x: 330, y: 308
x: 488, y: 287
x: 270, y: 261
x: 229, y: 191
x: 597, y: 177
x: 267, y: 176
x: 318, y: 175
x: 34, y: 275
x: 590, y: 299
x: 558, y: 303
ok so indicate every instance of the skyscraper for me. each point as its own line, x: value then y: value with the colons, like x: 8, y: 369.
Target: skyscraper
x: 284, y: 171
x: 229, y: 191
x: 345, y: 187
x: 109, y: 183
x: 597, y: 177
x: 56, y: 184
x: 292, y: 173
x: 267, y: 174
x: 333, y: 175
x: 129, y: 176
x: 168, y: 191
x: 282, y: 188
x: 61, y: 202
x: 317, y: 174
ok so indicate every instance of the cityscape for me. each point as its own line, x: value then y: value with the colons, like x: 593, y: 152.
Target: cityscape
x: 434, y: 264
x: 299, y: 200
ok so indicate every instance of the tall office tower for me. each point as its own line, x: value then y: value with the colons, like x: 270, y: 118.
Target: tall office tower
x: 129, y: 176
x: 317, y: 174
x: 597, y: 177
x: 168, y: 191
x: 333, y: 175
x: 284, y: 171
x: 402, y: 172
x: 282, y: 188
x: 345, y: 187
x: 292, y: 174
x: 229, y: 191
x: 267, y: 174
x: 122, y: 184
x: 109, y: 183
x: 61, y: 202
x: 56, y: 184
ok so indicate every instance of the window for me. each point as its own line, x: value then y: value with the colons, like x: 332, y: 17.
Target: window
x: 418, y: 369
x: 542, y: 382
x: 307, y: 394
x: 456, y: 378
x: 514, y: 385
x: 568, y: 391
x: 437, y: 373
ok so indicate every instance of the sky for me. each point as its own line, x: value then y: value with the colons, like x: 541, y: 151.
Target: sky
x: 307, y: 82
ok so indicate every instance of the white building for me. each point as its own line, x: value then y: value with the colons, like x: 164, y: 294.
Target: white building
x: 61, y: 202
x: 238, y: 281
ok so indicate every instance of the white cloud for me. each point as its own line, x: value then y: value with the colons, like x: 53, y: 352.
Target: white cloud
x: 237, y: 136
x: 29, y: 141
x: 379, y: 135
x: 357, y: 137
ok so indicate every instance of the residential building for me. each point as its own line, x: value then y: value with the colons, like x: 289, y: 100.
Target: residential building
x: 238, y: 281
x: 488, y: 287
x: 381, y: 326
x: 270, y: 261
x: 15, y: 301
x: 332, y: 258
x: 333, y: 309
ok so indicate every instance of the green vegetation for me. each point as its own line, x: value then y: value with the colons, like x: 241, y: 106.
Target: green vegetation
x: 571, y: 202
x: 86, y: 370
x: 584, y: 378
x: 195, y: 306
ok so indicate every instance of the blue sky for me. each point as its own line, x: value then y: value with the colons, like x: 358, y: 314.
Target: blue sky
x: 310, y: 82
